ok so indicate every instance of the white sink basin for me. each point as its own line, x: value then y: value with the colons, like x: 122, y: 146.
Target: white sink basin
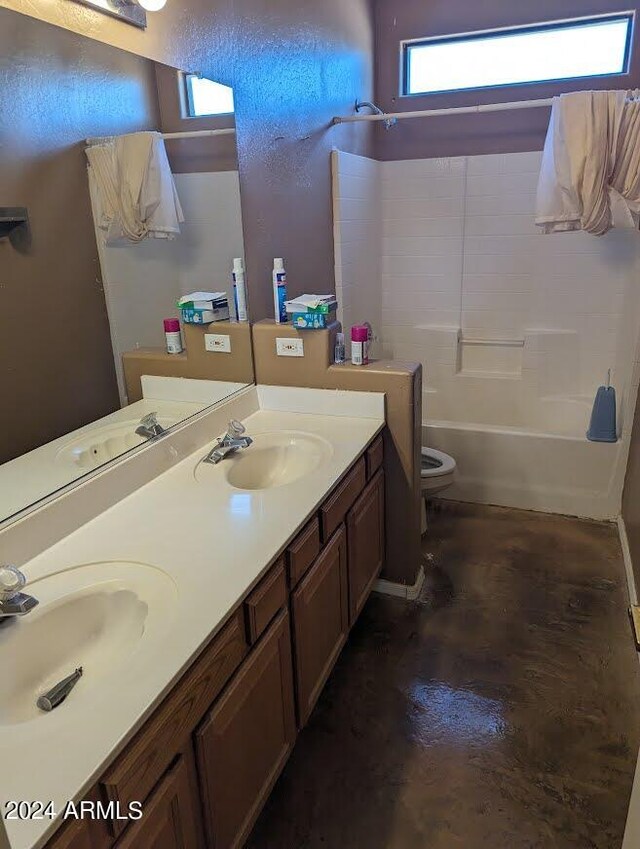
x: 102, y: 444
x: 94, y: 616
x: 273, y: 460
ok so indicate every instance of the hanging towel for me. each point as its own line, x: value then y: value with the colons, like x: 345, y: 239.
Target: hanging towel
x: 590, y: 175
x: 136, y: 191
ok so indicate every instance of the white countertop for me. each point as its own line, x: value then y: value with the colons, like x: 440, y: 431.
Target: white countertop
x: 215, y: 542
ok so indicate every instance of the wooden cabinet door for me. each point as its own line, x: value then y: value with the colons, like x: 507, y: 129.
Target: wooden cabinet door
x: 83, y: 833
x: 168, y: 816
x: 246, y: 739
x: 73, y: 835
x: 320, y: 610
x: 365, y: 543
x: 146, y: 759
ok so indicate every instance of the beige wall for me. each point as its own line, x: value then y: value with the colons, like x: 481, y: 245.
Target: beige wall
x: 55, y: 348
x: 402, y: 385
x: 293, y: 65
x: 195, y: 361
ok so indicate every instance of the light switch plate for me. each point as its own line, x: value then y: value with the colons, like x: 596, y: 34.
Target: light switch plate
x: 289, y: 347
x: 217, y: 342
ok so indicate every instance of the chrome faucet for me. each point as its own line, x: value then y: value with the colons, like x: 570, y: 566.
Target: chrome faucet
x: 150, y: 427
x: 230, y: 442
x: 13, y: 602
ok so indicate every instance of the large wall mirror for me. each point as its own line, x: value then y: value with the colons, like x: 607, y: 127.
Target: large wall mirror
x: 76, y: 293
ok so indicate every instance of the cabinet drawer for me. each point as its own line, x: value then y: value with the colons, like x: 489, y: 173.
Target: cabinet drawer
x: 374, y: 456
x: 303, y: 551
x: 335, y: 508
x: 147, y: 758
x: 265, y: 601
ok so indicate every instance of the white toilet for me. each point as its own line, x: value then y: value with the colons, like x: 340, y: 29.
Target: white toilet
x: 437, y: 472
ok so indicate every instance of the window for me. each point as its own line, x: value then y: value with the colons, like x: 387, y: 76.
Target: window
x: 561, y: 50
x: 206, y: 97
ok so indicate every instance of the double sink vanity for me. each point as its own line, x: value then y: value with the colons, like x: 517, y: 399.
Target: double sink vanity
x: 206, y: 603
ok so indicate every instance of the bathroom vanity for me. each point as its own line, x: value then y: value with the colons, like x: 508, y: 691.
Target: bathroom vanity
x: 269, y: 574
x: 220, y: 739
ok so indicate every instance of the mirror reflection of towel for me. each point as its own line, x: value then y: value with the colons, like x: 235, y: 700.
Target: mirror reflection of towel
x: 136, y: 190
x: 590, y: 175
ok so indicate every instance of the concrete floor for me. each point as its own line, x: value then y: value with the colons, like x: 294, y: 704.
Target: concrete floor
x: 498, y: 712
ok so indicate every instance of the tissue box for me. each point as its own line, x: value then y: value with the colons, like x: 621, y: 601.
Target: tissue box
x: 322, y: 304
x: 311, y: 320
x: 202, y: 301
x: 194, y: 316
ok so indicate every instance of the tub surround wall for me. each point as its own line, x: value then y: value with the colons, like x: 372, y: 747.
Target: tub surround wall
x: 461, y: 251
x: 460, y: 260
x: 631, y: 494
x: 402, y: 385
x: 459, y: 135
x: 58, y: 96
x: 293, y: 66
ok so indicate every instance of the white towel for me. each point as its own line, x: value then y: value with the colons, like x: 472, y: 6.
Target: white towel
x: 590, y: 175
x: 137, y: 194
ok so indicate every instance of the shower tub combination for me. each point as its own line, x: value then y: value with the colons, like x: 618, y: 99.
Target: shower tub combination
x: 551, y: 467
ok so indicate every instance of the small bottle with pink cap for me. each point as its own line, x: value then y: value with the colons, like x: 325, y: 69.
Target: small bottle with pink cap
x: 172, y: 335
x: 360, y: 345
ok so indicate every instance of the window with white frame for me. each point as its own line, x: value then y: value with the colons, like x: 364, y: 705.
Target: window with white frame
x: 206, y: 97
x: 557, y: 50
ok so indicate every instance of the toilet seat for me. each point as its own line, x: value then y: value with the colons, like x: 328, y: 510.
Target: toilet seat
x: 436, y: 464
x: 437, y: 473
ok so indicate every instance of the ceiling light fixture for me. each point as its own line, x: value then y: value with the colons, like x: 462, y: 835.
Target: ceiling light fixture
x: 152, y: 5
x: 132, y: 11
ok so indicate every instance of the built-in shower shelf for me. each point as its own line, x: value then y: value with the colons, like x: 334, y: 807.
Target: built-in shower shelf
x: 12, y: 217
x: 487, y: 374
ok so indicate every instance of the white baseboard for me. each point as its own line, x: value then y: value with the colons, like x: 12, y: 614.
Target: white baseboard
x: 410, y: 593
x: 628, y: 565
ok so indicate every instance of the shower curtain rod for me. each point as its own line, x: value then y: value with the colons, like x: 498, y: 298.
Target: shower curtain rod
x: 193, y: 134
x: 456, y: 110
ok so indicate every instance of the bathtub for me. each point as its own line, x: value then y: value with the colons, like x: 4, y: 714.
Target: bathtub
x: 554, y: 472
